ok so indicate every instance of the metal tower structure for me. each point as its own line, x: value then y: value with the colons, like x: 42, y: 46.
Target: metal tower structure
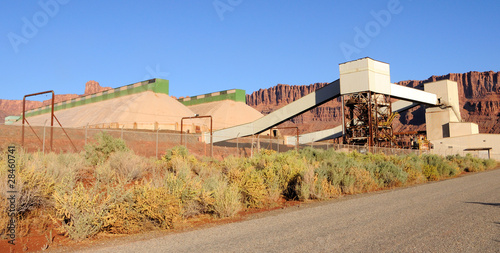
x: 368, y: 119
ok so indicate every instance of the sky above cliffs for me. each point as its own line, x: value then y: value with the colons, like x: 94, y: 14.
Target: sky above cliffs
x: 213, y: 45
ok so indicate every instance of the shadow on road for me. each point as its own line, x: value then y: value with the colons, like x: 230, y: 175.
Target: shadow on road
x: 483, y: 203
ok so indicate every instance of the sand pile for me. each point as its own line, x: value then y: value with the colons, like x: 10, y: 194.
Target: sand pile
x: 142, y: 111
x: 227, y: 113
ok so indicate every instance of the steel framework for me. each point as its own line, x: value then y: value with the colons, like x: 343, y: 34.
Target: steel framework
x: 211, y: 130
x: 52, y: 117
x: 368, y: 119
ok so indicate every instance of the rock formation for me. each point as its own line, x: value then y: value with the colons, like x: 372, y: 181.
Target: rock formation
x: 92, y: 87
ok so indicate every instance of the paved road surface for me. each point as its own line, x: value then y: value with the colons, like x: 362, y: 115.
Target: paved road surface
x: 457, y: 215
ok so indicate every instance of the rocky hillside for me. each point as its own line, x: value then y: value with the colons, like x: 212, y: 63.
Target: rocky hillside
x: 479, y: 101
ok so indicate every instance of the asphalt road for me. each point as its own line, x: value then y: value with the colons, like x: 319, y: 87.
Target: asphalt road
x: 456, y: 215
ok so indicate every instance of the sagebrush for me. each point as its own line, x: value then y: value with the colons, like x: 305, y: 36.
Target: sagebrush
x: 109, y: 189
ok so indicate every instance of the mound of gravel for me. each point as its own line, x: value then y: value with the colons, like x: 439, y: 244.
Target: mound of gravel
x: 227, y: 113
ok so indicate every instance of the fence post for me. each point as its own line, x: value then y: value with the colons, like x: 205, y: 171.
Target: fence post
x: 278, y: 144
x: 86, y: 128
x: 122, y: 132
x: 251, y: 150
x: 237, y: 144
x: 157, y: 130
x: 43, y: 143
x: 258, y: 143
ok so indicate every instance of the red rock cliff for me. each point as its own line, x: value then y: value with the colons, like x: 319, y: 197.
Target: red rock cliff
x: 92, y: 87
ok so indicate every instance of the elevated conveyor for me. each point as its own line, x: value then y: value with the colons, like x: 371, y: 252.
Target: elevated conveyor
x: 332, y: 133
x: 363, y: 75
x: 297, y: 107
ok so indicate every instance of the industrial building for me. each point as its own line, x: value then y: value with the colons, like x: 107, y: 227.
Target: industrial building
x: 370, y: 102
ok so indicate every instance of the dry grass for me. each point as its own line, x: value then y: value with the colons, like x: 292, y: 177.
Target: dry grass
x: 108, y: 189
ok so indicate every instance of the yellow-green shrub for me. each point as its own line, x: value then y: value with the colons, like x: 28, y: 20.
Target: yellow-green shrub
x: 157, y: 205
x: 34, y: 187
x: 81, y: 210
x: 104, y: 145
x: 252, y: 188
x: 363, y: 181
x: 430, y: 172
x: 128, y: 165
x: 226, y: 197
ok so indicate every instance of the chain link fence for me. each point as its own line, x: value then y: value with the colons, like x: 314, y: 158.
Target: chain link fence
x: 154, y: 143
x: 142, y: 142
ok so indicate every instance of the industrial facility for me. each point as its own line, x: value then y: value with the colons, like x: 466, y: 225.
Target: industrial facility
x: 370, y: 103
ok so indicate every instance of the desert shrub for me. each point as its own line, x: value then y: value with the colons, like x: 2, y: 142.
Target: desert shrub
x: 114, y: 208
x: 412, y: 164
x: 250, y: 182
x: 183, y: 178
x: 177, y: 151
x: 313, y: 154
x: 80, y: 210
x: 38, y: 173
x: 443, y: 167
x: 182, y: 183
x: 34, y: 185
x: 388, y: 174
x: 123, y: 218
x: 354, y: 172
x: 114, y: 196
x: 56, y: 166
x: 316, y: 186
x: 414, y: 176
x: 4, y: 215
x: 205, y: 168
x: 306, y: 187
x: 226, y: 197
x: 252, y: 188
x: 127, y: 165
x: 470, y: 163
x: 104, y: 174
x: 180, y: 165
x: 105, y: 145
x: 184, y: 187
x: 281, y: 172
x: 363, y: 181
x: 347, y: 184
x: 157, y: 205
x: 489, y: 164
x: 430, y: 172
x: 120, y: 215
x: 34, y: 189
x: 384, y: 169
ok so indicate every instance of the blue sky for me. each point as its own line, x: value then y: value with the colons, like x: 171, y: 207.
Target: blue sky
x: 203, y: 46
